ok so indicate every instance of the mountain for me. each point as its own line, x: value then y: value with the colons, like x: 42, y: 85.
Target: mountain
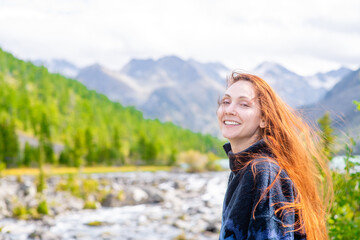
x: 61, y: 66
x: 186, y: 91
x: 339, y: 102
x: 293, y: 88
x: 169, y: 89
x: 329, y: 79
x: 114, y: 85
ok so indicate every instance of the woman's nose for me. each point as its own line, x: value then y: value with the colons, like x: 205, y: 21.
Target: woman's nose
x: 229, y: 109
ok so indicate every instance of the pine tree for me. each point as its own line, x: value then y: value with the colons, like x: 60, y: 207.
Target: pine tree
x: 327, y: 135
x: 116, y: 154
x: 89, y: 145
x: 27, y: 158
x: 41, y: 177
x: 10, y: 144
x: 2, y: 147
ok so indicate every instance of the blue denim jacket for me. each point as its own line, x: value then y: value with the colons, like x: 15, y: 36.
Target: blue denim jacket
x: 243, y: 216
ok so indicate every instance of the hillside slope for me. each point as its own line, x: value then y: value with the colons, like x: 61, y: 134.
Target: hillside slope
x: 90, y: 126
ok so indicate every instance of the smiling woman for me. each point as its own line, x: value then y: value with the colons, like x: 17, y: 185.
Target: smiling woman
x: 274, y: 189
x: 239, y: 115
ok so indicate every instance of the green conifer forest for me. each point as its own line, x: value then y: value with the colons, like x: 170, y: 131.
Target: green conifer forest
x: 87, y: 127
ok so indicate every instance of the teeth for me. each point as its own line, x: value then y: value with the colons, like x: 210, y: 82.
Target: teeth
x: 231, y: 123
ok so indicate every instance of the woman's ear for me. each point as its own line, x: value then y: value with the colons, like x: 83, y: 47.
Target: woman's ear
x: 262, y: 123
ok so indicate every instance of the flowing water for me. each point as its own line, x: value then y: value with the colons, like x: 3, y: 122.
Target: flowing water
x: 146, y: 221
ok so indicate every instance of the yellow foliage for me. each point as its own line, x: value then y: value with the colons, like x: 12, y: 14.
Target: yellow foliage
x: 86, y: 170
x: 195, y: 161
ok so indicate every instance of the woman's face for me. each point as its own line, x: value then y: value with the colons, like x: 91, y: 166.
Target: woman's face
x: 239, y: 115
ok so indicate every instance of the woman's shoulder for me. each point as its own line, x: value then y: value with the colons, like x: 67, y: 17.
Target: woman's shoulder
x: 268, y: 169
x: 264, y: 163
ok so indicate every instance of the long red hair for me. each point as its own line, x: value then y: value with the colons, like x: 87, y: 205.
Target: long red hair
x: 295, y: 146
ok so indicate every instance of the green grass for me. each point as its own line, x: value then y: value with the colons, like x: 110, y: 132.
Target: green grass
x: 85, y: 170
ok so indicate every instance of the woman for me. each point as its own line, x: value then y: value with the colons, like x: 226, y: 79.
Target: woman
x: 274, y: 189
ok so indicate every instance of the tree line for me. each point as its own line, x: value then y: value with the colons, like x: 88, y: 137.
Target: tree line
x: 90, y: 129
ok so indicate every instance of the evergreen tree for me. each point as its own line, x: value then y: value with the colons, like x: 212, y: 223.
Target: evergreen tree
x: 45, y: 128
x: 2, y: 148
x: 41, y: 185
x: 78, y: 151
x: 172, y: 158
x: 327, y: 135
x: 2, y: 145
x: 10, y: 144
x: 65, y: 158
x: 116, y: 154
x: 89, y: 145
x: 27, y: 158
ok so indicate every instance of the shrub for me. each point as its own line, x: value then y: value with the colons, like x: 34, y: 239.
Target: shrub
x: 90, y: 205
x: 95, y: 223
x: 212, y: 165
x: 71, y: 185
x: 89, y: 186
x: 121, y: 195
x: 20, y: 212
x: 344, y: 221
x: 195, y: 161
x: 43, y: 208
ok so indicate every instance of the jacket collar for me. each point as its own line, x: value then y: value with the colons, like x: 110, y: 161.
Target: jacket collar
x: 238, y: 160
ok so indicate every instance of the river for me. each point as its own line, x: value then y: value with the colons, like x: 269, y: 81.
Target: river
x: 192, y: 211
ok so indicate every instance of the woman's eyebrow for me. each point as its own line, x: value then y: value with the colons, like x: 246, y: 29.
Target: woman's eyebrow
x: 240, y: 97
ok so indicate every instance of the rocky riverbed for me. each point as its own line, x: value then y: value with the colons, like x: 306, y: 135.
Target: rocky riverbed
x: 137, y: 205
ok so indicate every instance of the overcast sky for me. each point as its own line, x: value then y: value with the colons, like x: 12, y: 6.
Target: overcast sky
x: 305, y: 36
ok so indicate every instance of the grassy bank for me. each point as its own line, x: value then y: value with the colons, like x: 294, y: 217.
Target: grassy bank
x: 86, y: 170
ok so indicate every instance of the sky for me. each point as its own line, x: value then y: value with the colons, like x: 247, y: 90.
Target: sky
x: 306, y: 36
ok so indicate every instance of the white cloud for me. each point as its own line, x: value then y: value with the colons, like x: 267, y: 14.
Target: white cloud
x: 305, y: 36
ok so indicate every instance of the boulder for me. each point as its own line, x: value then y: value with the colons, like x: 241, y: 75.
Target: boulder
x: 111, y: 200
x: 43, y: 235
x: 154, y: 195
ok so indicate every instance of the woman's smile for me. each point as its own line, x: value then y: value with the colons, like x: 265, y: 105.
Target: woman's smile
x: 231, y: 123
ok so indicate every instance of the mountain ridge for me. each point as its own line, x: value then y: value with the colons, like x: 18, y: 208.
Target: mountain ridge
x: 160, y: 88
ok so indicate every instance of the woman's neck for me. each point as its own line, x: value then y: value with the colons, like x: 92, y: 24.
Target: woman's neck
x: 239, y: 146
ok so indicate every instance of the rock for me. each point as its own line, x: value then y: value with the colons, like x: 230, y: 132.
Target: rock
x: 63, y: 202
x: 155, y: 195
x: 142, y: 220
x: 5, y: 236
x: 48, y: 221
x: 198, y: 226
x: 31, y: 202
x: 213, y: 226
x: 43, y: 235
x: 26, y: 189
x: 4, y: 212
x: 107, y: 236
x: 75, y: 204
x: 172, y: 201
x: 181, y: 224
x: 138, y: 195
x: 111, y: 200
x: 180, y: 202
x: 134, y: 196
x: 9, y: 205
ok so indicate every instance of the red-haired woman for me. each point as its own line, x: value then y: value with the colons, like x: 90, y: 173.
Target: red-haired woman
x: 279, y: 181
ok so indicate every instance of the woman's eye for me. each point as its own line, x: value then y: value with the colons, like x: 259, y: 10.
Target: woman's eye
x: 225, y: 102
x: 244, y: 104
